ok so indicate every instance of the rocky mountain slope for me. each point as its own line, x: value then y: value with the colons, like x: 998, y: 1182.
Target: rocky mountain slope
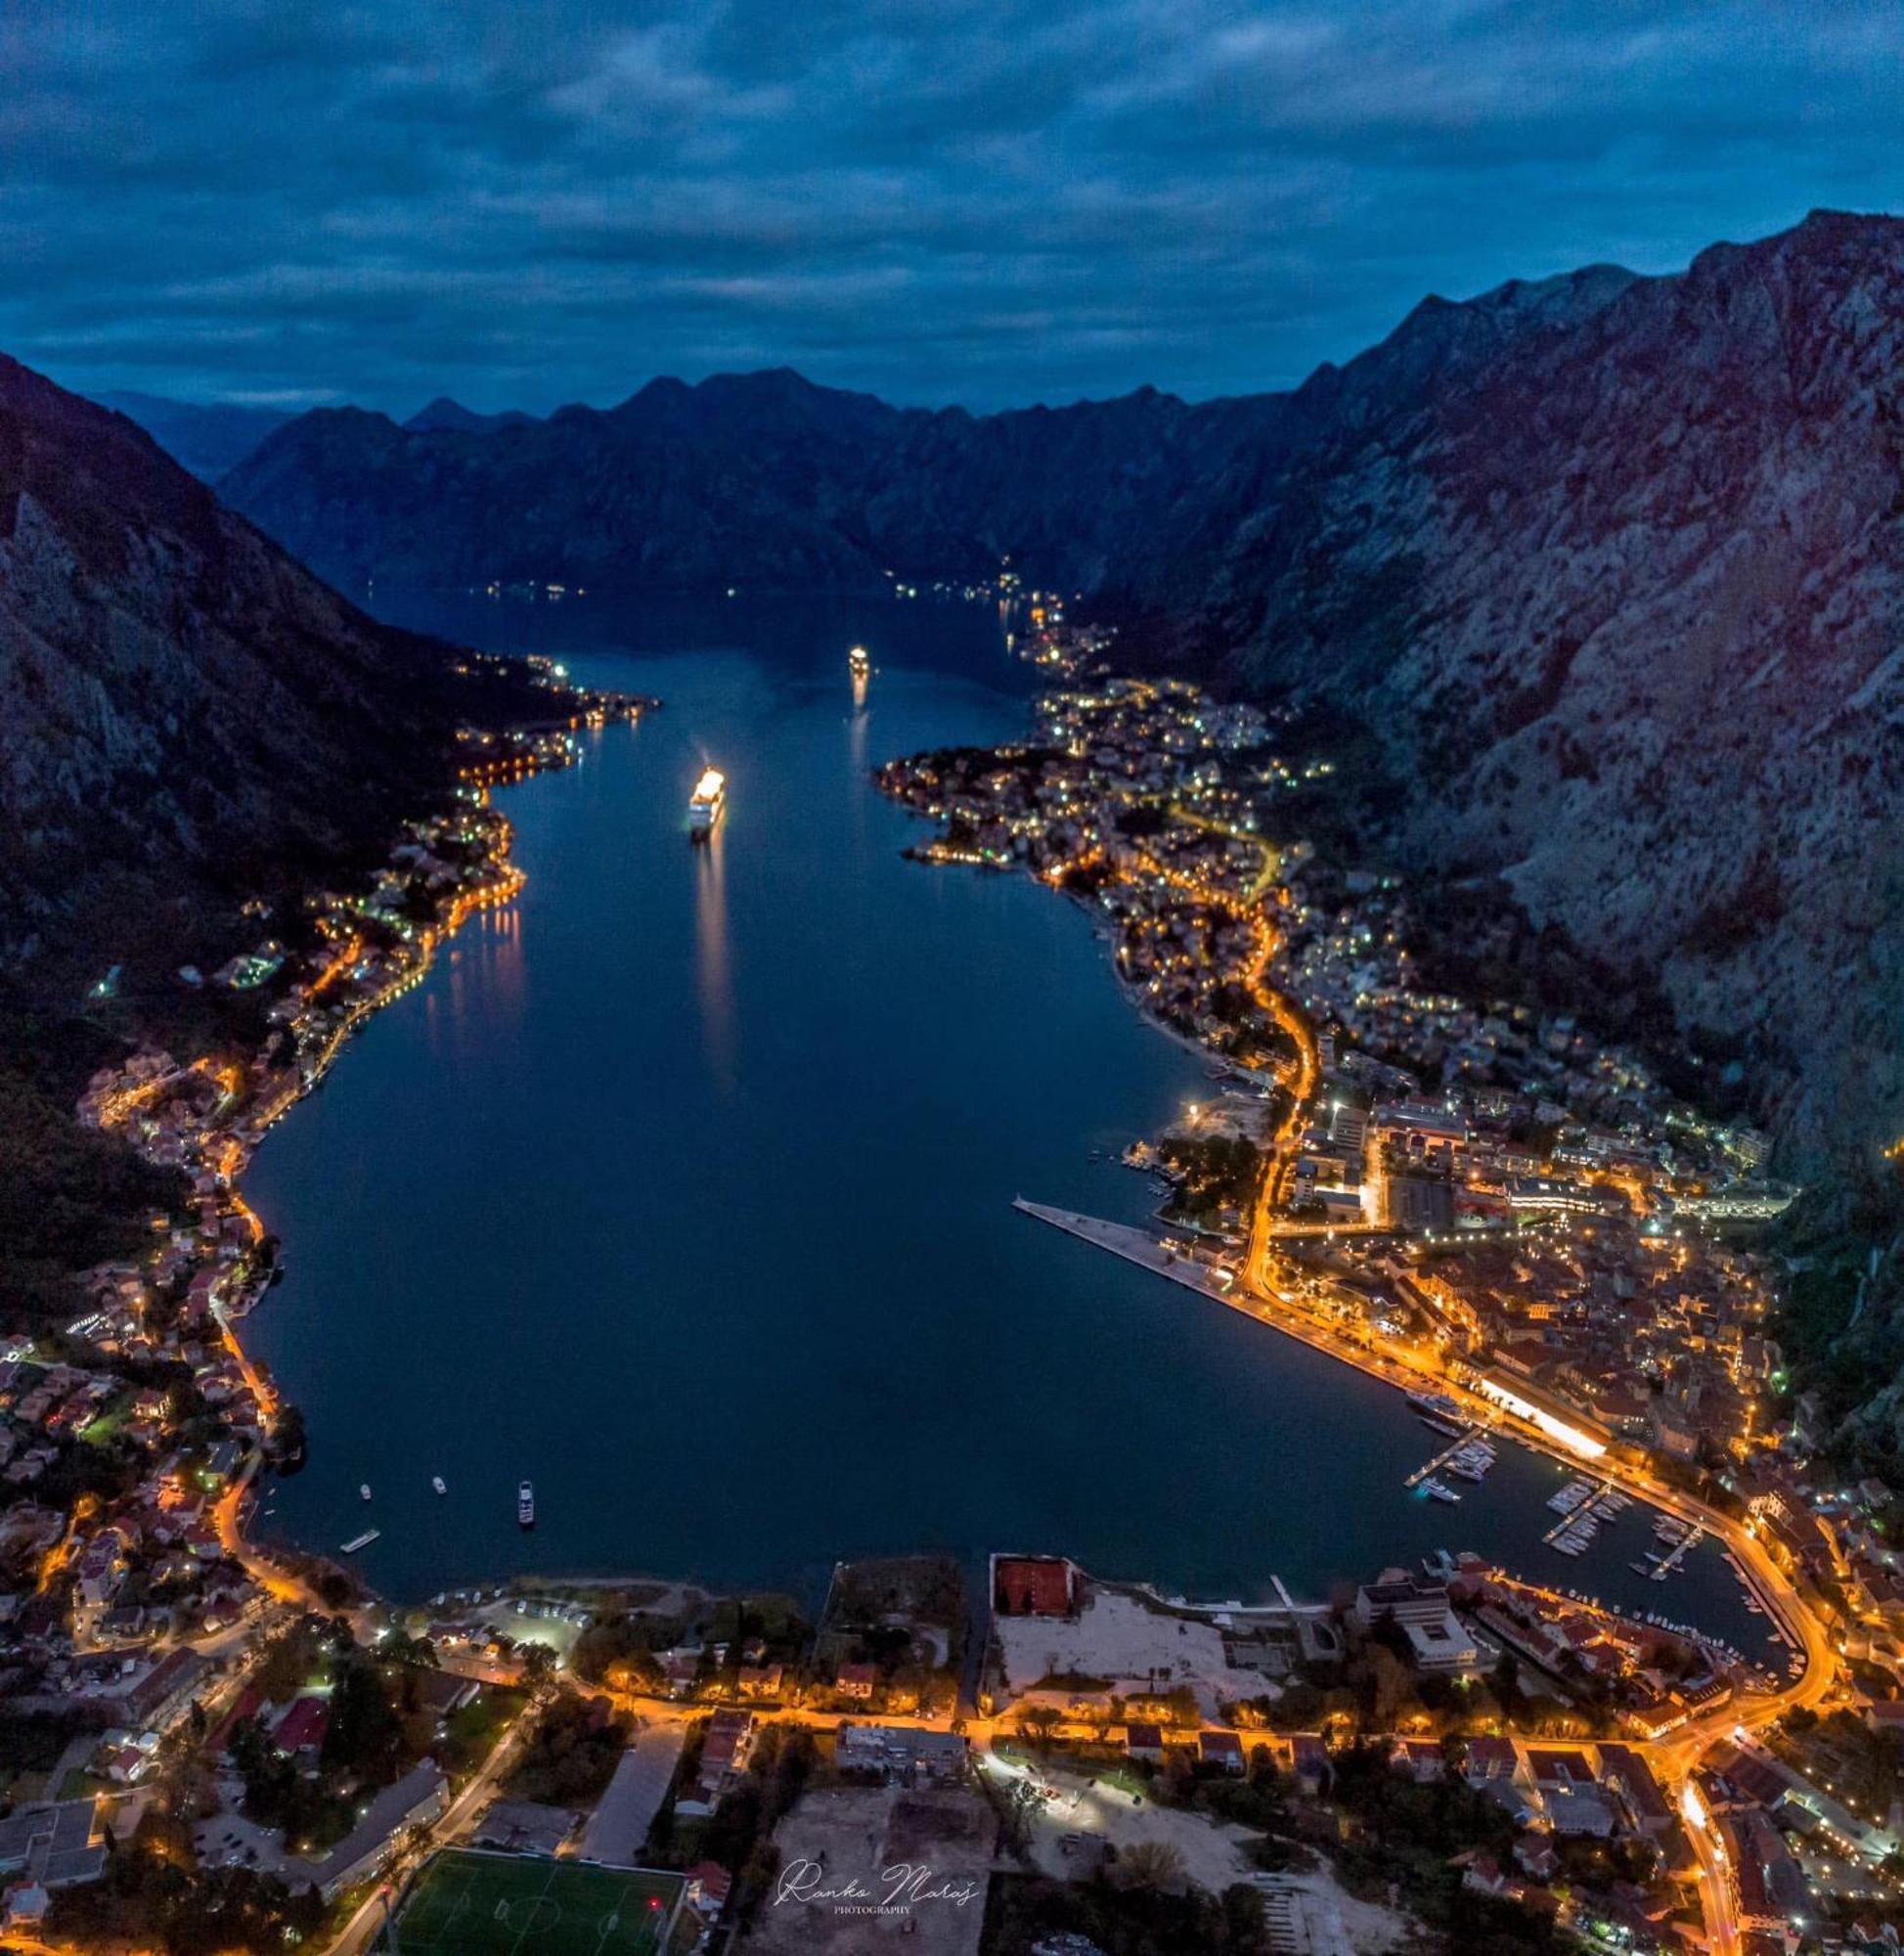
x: 1626, y: 606
x: 188, y: 713
x: 1610, y: 565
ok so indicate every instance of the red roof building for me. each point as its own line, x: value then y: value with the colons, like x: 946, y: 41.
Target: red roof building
x: 708, y: 1886
x: 1492, y: 1758
x: 248, y: 1701
x: 1145, y: 1741
x: 1220, y: 1748
x: 303, y: 1727
x: 1632, y: 1779
x: 1033, y: 1586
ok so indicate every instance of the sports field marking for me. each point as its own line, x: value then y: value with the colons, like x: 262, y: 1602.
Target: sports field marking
x: 474, y: 1905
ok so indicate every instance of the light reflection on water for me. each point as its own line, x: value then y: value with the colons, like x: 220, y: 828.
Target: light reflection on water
x: 714, y: 985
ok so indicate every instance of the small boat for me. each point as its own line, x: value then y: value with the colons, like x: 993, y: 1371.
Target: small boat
x: 525, y: 1504
x: 358, y: 1541
x: 364, y: 1490
x: 1439, y: 1426
x: 436, y: 1482
x: 1439, y: 1490
x: 857, y: 663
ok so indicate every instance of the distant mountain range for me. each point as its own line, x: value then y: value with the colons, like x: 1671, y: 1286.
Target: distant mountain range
x: 763, y: 480
x: 211, y: 438
x: 1612, y: 566
x: 208, y: 440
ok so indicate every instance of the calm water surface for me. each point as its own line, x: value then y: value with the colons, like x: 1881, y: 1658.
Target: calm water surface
x: 682, y: 1189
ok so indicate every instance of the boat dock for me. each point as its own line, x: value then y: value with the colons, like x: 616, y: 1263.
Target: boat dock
x: 1460, y: 1444
x: 1138, y: 1246
x: 1681, y: 1549
x: 1594, y: 1508
x: 1135, y: 1246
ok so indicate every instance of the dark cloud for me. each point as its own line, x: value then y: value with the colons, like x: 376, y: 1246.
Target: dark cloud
x: 529, y: 201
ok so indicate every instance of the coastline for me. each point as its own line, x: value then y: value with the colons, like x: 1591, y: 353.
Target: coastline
x: 468, y: 903
x: 226, y: 1143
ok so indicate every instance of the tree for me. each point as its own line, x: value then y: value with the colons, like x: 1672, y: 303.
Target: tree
x: 364, y: 1734
x: 1152, y: 1865
x: 288, y: 1441
x: 1039, y: 1721
x: 1245, y: 1919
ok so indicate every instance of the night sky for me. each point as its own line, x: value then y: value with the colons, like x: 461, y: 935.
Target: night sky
x: 551, y: 201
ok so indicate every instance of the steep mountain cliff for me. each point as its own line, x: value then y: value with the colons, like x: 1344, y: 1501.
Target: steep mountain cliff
x: 1610, y: 565
x: 187, y: 713
x: 1626, y: 606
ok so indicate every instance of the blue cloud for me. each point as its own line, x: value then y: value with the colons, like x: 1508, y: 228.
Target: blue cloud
x: 549, y: 200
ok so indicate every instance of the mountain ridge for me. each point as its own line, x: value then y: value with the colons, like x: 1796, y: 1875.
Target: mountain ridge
x: 445, y: 413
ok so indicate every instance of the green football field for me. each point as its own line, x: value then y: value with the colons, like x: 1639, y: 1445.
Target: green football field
x: 467, y: 1903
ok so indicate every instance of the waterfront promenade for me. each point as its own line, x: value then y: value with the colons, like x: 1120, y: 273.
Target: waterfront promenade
x: 1782, y: 1601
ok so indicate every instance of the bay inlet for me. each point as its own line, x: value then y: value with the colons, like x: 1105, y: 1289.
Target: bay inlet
x: 682, y: 1189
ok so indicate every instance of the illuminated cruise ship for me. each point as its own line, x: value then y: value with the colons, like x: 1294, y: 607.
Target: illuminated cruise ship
x: 710, y: 801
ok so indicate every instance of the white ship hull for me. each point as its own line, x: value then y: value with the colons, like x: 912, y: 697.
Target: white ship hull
x: 707, y: 806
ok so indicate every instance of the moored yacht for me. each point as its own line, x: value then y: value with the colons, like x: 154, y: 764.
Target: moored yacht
x: 525, y: 1504
x: 857, y: 663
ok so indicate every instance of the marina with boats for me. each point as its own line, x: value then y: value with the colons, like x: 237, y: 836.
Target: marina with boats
x: 1582, y: 1509
x: 1468, y: 1457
